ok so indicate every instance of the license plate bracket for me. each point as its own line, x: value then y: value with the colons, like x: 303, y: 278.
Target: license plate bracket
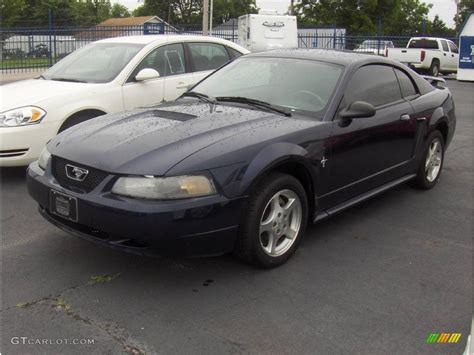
x: 63, y: 205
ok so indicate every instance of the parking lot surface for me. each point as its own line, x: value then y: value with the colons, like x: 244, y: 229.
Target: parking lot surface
x: 378, y: 278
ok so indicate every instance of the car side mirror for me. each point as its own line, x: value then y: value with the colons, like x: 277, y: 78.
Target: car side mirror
x: 358, y: 109
x: 147, y: 74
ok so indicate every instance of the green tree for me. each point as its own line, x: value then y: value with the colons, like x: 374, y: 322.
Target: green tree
x: 11, y: 11
x: 118, y: 10
x: 190, y: 11
x: 224, y: 10
x: 438, y: 28
x: 174, y: 11
x: 465, y: 8
x: 366, y: 17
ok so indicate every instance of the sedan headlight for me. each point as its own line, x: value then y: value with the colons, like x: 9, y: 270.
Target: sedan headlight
x: 168, y: 188
x: 22, y: 116
x: 44, y: 158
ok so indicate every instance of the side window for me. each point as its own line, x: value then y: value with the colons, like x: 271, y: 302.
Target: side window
x: 208, y: 56
x: 233, y: 53
x: 453, y: 47
x: 375, y: 84
x: 408, y: 89
x: 445, y: 46
x: 167, y: 60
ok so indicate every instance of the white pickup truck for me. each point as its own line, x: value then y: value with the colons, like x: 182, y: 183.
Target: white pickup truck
x: 428, y: 55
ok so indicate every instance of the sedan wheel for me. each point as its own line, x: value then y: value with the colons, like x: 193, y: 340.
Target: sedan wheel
x: 280, y: 222
x: 273, y: 221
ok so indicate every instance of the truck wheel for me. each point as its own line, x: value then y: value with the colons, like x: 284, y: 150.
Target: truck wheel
x: 434, y: 69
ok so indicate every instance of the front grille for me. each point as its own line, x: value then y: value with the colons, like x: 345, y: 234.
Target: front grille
x: 13, y: 153
x: 93, y: 178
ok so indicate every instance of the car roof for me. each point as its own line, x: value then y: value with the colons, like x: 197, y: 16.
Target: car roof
x: 157, y: 39
x: 325, y: 55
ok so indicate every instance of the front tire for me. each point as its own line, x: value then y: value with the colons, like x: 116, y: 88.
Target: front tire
x: 274, y: 221
x: 78, y: 118
x: 431, y: 162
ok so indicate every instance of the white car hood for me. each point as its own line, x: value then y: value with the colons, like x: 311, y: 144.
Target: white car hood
x: 38, y: 91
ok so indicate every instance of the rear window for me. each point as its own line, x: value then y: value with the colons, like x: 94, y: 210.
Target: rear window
x: 423, y: 43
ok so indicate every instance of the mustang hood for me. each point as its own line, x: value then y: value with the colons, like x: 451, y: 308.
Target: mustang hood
x: 152, y: 140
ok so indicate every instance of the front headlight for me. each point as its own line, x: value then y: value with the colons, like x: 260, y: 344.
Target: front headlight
x: 21, y: 116
x: 164, y: 188
x: 44, y: 158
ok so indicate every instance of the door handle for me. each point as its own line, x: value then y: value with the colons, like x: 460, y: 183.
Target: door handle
x: 182, y: 86
x: 405, y: 117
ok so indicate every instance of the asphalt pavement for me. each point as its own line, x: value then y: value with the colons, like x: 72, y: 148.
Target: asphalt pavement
x: 376, y: 279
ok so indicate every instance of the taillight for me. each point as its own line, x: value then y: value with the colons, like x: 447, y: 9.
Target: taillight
x: 422, y: 56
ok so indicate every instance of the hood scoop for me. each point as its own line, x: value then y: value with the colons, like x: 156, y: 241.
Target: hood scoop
x: 177, y: 116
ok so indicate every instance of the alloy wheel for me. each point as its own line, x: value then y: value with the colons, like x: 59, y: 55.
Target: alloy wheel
x: 433, y: 161
x: 280, y: 222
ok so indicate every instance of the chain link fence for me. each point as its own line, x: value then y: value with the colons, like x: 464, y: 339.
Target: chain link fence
x: 30, y: 49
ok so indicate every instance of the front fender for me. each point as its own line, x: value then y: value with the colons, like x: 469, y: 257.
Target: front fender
x: 271, y: 156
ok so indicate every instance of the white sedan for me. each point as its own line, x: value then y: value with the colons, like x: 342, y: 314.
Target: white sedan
x: 106, y: 76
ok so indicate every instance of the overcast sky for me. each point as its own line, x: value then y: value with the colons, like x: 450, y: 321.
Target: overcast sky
x: 446, y: 9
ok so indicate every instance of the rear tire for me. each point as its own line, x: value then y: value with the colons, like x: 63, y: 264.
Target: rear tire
x: 274, y: 221
x: 434, y: 69
x: 431, y: 162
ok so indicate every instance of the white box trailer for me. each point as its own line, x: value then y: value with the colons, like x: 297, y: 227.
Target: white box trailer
x: 267, y: 30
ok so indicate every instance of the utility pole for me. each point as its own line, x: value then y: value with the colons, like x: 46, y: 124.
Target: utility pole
x: 210, y: 17
x: 292, y: 12
x: 205, y: 18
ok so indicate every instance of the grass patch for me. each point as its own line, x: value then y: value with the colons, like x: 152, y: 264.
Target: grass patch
x: 25, y: 63
x: 100, y: 279
x: 61, y: 304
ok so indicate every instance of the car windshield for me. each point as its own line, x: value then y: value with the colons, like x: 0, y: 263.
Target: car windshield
x: 94, y: 63
x: 297, y: 84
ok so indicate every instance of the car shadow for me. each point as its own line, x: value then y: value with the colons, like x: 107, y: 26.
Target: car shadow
x: 12, y: 174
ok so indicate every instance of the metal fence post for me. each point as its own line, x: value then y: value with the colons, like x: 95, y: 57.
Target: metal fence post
x: 50, y: 29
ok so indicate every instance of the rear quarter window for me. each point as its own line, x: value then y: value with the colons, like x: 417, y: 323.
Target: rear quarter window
x: 406, y: 85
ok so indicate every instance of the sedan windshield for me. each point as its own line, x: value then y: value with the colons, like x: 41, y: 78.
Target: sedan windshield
x: 296, y: 84
x: 94, y: 63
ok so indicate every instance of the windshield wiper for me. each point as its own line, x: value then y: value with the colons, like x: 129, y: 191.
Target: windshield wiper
x: 69, y: 79
x: 255, y: 103
x: 203, y: 97
x: 41, y: 77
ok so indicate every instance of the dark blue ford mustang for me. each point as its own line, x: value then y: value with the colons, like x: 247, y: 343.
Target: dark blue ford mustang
x: 243, y: 160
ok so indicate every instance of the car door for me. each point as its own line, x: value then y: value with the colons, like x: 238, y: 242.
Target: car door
x: 206, y: 57
x: 446, y: 62
x: 368, y: 152
x: 454, y: 55
x: 175, y: 77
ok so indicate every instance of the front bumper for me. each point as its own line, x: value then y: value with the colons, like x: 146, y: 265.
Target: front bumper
x: 19, y: 146
x: 192, y: 227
